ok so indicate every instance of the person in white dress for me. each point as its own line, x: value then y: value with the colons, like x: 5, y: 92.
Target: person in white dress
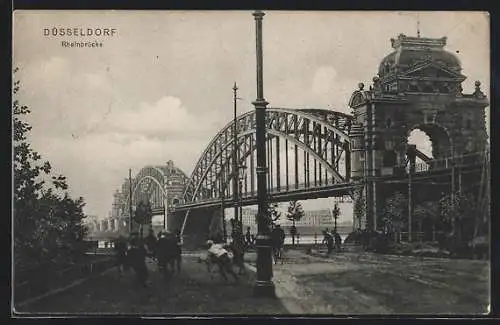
x: 217, y: 254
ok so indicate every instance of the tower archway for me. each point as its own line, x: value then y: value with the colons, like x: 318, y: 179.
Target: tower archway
x: 431, y: 140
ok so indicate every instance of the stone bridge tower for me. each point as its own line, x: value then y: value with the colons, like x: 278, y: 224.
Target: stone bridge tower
x: 418, y: 86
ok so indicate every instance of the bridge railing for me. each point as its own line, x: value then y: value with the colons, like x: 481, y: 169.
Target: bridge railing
x: 271, y: 191
x: 471, y: 159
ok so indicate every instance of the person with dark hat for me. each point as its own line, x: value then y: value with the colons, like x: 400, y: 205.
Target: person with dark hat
x: 137, y: 257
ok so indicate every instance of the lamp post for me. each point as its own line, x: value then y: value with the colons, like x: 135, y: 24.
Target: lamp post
x: 130, y: 201
x: 165, y: 209
x: 335, y: 214
x: 411, y: 159
x: 235, y: 155
x: 242, y: 169
x: 264, y: 286
x: 223, y: 216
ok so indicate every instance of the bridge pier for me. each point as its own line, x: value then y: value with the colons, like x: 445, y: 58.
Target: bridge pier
x: 200, y: 225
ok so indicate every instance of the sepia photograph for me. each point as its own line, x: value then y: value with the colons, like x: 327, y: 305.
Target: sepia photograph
x: 272, y: 163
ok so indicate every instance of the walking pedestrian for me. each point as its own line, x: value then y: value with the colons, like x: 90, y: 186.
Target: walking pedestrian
x: 219, y: 256
x: 137, y: 256
x: 178, y: 250
x: 338, y: 242
x: 238, y: 247
x: 248, y: 236
x: 150, y: 242
x: 121, y: 254
x: 278, y: 239
x: 328, y: 239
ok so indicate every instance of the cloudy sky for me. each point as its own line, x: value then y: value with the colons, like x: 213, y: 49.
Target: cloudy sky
x: 160, y: 88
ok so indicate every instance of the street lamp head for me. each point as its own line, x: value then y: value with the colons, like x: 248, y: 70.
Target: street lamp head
x: 258, y: 14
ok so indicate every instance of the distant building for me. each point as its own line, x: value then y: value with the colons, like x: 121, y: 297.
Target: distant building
x: 314, y: 221
x: 249, y: 217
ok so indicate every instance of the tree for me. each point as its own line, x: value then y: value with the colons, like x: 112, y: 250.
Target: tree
x: 48, y: 224
x: 295, y: 212
x: 427, y: 210
x: 395, y: 207
x: 460, y: 211
x: 359, y: 208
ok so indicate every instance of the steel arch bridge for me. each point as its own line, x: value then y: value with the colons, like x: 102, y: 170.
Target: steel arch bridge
x: 308, y: 155
x: 159, y: 185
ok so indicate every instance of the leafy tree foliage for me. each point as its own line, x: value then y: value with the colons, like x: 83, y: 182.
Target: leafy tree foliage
x: 428, y: 210
x: 395, y: 213
x: 48, y: 223
x: 359, y: 208
x: 460, y: 212
x: 294, y: 213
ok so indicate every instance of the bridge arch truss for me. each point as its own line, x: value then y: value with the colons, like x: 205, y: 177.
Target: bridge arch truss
x: 306, y: 149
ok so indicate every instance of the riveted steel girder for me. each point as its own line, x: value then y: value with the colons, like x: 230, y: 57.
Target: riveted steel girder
x: 313, y: 131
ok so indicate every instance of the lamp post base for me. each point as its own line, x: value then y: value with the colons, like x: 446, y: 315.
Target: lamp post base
x: 264, y: 289
x: 264, y: 286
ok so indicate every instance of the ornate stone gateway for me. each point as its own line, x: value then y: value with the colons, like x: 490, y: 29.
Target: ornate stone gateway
x: 418, y: 86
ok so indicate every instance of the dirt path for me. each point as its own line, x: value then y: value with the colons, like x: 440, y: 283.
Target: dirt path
x: 365, y: 283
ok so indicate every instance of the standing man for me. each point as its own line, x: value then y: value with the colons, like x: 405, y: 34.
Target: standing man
x: 137, y: 255
x: 162, y: 253
x: 293, y: 232
x: 177, y: 255
x: 338, y: 241
x: 232, y: 221
x: 150, y: 242
x: 278, y: 238
x: 248, y: 236
x: 328, y: 239
x: 121, y: 253
x: 238, y: 247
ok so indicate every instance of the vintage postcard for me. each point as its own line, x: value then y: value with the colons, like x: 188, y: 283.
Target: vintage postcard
x: 173, y: 163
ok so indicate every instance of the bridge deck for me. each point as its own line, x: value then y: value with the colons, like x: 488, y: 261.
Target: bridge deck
x: 336, y: 190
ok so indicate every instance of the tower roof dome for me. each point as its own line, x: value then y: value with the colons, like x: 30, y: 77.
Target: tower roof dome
x: 412, y: 51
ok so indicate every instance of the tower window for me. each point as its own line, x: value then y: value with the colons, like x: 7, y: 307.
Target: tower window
x: 468, y: 124
x: 388, y: 123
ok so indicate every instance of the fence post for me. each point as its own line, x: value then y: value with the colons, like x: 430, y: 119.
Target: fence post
x: 315, y: 239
